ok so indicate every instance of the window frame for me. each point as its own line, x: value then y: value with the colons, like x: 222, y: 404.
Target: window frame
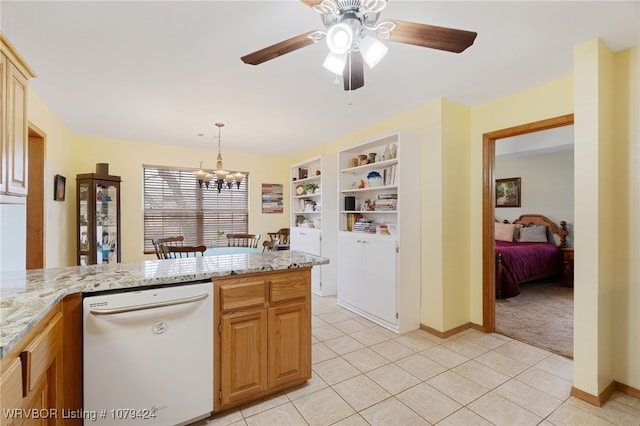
x: 172, y: 199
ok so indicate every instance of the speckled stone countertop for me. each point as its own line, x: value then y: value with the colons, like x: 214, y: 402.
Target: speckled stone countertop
x: 27, y: 296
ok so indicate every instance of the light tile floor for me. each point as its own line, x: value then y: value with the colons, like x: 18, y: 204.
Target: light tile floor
x: 364, y: 374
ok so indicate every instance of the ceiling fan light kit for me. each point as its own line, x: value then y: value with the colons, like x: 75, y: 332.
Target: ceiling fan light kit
x: 348, y: 26
x: 335, y: 63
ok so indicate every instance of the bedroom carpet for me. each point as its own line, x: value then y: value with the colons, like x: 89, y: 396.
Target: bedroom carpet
x: 541, y: 315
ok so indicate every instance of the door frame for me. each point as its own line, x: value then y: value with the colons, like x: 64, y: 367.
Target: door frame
x: 488, y: 208
x: 35, y: 256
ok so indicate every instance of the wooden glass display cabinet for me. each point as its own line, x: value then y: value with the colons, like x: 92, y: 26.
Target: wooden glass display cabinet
x: 98, y: 218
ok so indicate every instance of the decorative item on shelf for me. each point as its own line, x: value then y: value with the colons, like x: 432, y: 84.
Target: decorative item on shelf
x: 299, y: 219
x: 300, y: 190
x: 310, y: 188
x: 353, y: 162
x: 374, y: 179
x: 349, y: 203
x: 372, y: 157
x: 222, y: 177
x: 102, y: 169
x: 363, y: 160
x: 361, y: 185
x: 303, y: 173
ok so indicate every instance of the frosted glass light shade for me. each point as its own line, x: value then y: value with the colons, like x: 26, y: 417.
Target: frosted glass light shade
x: 335, y: 63
x: 340, y: 38
x: 372, y: 50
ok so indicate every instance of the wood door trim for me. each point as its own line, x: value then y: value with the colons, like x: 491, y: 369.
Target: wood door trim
x: 35, y: 198
x: 488, y: 203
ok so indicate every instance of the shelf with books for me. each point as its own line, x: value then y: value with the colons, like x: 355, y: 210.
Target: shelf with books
x: 379, y: 230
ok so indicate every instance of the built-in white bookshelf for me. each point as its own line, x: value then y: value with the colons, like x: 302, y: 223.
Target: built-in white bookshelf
x: 379, y: 231
x: 313, y: 220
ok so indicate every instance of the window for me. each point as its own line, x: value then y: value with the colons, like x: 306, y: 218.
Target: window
x: 174, y: 204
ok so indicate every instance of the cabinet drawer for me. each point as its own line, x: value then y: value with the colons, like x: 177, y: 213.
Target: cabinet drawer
x: 289, y: 285
x: 40, y: 353
x: 11, y: 384
x: 249, y: 292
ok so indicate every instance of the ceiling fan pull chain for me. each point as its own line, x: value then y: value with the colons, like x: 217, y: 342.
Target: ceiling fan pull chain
x: 350, y: 91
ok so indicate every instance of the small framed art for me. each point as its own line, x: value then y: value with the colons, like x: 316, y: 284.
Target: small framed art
x: 59, y: 187
x: 508, y: 192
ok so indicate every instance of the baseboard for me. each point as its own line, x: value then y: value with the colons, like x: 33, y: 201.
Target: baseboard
x: 449, y: 333
x: 599, y: 400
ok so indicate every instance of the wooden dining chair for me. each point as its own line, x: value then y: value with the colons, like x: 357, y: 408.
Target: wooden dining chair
x: 158, y: 243
x: 282, y: 235
x: 243, y: 240
x: 176, y: 252
x: 270, y: 245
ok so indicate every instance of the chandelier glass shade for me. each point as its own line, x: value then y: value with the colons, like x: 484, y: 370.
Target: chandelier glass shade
x: 218, y: 178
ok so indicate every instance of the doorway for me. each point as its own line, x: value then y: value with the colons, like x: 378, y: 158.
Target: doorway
x: 488, y: 212
x: 35, y: 199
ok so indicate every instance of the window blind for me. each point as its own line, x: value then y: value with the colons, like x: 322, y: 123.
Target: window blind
x: 174, y: 204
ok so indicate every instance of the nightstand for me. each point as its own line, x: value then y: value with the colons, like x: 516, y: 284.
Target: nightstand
x: 567, y: 271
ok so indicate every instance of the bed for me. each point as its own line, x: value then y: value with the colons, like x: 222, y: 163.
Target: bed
x: 526, y: 250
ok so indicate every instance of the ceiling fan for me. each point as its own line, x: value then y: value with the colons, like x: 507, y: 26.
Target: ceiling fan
x: 353, y: 36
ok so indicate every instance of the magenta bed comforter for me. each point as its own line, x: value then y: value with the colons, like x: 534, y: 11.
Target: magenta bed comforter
x: 527, y: 261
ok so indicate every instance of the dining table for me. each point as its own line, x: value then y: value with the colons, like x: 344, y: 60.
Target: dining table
x: 219, y: 251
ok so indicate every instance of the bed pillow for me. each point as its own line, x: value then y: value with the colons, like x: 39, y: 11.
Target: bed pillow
x: 533, y: 234
x: 504, y: 231
x: 516, y: 232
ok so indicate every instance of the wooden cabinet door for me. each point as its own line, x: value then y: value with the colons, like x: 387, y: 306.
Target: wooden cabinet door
x: 243, y: 357
x: 16, y: 132
x: 3, y: 124
x: 289, y: 344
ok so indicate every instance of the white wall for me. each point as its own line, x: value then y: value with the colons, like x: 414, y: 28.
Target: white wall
x: 546, y: 186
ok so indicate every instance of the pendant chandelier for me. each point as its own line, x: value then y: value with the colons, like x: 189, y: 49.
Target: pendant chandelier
x: 219, y: 178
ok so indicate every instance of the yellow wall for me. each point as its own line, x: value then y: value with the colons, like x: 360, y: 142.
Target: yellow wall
x: 626, y: 193
x: 549, y: 100
x: 69, y: 155
x: 59, y: 229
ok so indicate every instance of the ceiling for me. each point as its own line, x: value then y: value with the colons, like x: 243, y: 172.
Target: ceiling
x: 164, y: 72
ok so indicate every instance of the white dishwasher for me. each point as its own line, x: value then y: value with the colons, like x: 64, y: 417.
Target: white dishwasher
x: 148, y: 356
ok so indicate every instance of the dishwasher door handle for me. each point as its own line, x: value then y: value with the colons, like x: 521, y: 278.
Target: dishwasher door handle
x: 154, y: 305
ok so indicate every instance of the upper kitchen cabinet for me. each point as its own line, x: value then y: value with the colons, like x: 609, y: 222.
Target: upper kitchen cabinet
x: 14, y: 75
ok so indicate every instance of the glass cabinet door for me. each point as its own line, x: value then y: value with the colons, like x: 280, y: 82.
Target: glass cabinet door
x: 98, y: 219
x: 83, y: 223
x: 106, y: 222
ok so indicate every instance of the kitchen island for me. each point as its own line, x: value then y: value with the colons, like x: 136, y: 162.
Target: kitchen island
x: 49, y: 301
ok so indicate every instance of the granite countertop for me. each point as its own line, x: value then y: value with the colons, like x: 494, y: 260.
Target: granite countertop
x: 27, y: 296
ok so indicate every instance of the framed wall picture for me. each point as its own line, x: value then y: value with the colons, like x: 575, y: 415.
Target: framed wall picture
x: 508, y: 192
x: 272, y: 198
x: 59, y: 187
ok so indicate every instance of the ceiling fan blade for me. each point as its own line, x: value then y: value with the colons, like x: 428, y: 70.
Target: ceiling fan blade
x: 355, y: 73
x: 441, y: 38
x: 278, y: 49
x: 310, y: 3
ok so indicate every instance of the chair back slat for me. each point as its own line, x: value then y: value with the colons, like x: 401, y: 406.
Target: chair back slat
x: 243, y: 240
x: 270, y: 245
x: 158, y: 243
x: 176, y: 252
